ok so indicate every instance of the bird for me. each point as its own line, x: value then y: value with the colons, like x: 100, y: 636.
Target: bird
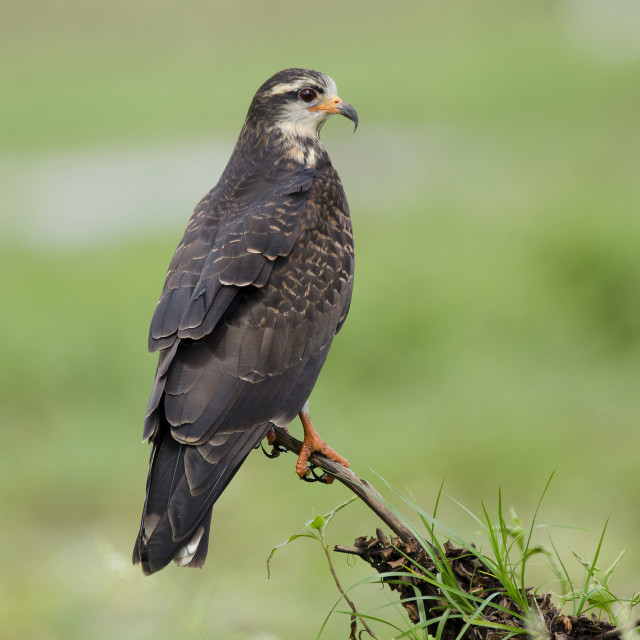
x: 257, y: 288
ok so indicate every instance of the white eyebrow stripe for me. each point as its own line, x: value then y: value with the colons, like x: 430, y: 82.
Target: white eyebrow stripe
x: 285, y: 88
x: 330, y: 88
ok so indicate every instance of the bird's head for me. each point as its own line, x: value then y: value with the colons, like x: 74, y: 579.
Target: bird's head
x: 296, y: 103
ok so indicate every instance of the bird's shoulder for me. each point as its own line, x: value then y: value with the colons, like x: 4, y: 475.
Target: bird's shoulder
x: 255, y: 214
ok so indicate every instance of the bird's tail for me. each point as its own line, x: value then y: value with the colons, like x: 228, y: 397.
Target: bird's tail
x: 176, y: 517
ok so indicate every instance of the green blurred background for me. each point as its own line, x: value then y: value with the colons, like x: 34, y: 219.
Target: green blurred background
x: 494, y: 334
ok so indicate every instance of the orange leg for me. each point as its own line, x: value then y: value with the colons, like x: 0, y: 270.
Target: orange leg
x: 313, y: 443
x: 271, y: 435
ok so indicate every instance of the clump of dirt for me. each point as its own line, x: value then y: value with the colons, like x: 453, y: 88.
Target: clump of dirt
x: 392, y: 555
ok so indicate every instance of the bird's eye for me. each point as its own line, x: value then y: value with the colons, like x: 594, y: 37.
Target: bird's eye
x: 307, y: 95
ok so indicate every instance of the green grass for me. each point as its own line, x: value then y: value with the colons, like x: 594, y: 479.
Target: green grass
x: 493, y: 335
x: 505, y: 553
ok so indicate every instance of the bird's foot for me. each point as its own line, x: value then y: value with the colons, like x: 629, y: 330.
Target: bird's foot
x: 314, y: 444
x: 312, y: 475
x: 276, y: 449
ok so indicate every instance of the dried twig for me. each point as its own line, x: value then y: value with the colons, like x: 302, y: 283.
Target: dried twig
x: 348, y: 600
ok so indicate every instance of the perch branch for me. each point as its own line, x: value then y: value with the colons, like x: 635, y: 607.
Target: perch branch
x: 386, y: 555
x: 363, y: 489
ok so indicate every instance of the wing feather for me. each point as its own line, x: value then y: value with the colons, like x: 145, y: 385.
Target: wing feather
x: 232, y: 240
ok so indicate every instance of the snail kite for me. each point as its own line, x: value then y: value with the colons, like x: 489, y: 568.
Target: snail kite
x: 256, y: 290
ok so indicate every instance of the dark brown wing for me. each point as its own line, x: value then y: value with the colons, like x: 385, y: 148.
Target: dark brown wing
x: 231, y: 242
x: 246, y: 349
x: 232, y: 238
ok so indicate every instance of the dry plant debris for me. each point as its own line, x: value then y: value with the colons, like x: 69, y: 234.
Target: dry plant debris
x: 394, y: 555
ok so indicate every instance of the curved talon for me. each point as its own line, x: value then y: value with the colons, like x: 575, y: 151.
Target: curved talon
x: 276, y: 450
x: 324, y: 477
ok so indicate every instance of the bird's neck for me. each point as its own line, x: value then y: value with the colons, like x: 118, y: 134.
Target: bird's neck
x: 272, y: 144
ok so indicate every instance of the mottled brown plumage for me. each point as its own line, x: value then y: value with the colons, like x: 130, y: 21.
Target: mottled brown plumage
x: 256, y: 290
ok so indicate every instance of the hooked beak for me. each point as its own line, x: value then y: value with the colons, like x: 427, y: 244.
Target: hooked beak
x: 334, y: 104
